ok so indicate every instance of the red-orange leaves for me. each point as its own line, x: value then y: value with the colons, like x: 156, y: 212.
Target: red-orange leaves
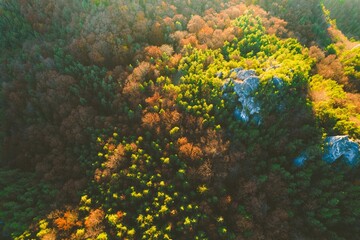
x: 152, y: 52
x: 188, y: 150
x: 331, y: 67
x: 67, y: 221
x: 195, y: 24
x: 153, y: 100
x: 95, y: 218
x: 151, y: 120
x: 205, y: 34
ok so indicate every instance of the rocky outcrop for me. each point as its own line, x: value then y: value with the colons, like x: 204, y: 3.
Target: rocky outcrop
x: 246, y: 83
x: 341, y: 147
x: 335, y: 148
x: 278, y: 82
x: 301, y: 159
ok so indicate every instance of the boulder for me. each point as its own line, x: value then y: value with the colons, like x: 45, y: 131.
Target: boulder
x: 245, y: 89
x: 247, y: 86
x: 246, y: 83
x: 241, y: 115
x: 244, y: 74
x: 278, y: 82
x: 341, y: 147
x: 336, y: 148
x: 300, y: 160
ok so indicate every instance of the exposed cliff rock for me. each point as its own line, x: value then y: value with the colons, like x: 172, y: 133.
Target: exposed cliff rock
x: 301, y: 159
x: 246, y: 83
x: 341, y: 147
x: 335, y: 148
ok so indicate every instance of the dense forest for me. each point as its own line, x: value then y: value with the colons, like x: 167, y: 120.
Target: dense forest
x: 206, y: 119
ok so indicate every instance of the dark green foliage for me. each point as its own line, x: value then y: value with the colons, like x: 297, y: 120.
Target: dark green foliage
x: 305, y: 18
x: 326, y: 204
x: 346, y: 14
x: 120, y: 116
x: 13, y: 26
x: 93, y: 86
x: 23, y: 198
x: 253, y: 37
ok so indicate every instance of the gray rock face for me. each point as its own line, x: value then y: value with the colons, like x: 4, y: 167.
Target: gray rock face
x: 244, y: 74
x: 337, y: 147
x: 278, y: 82
x: 245, y: 85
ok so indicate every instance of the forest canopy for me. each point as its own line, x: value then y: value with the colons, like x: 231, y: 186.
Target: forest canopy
x: 176, y: 119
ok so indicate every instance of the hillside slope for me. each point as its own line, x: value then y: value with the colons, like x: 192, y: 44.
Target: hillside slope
x: 177, y: 120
